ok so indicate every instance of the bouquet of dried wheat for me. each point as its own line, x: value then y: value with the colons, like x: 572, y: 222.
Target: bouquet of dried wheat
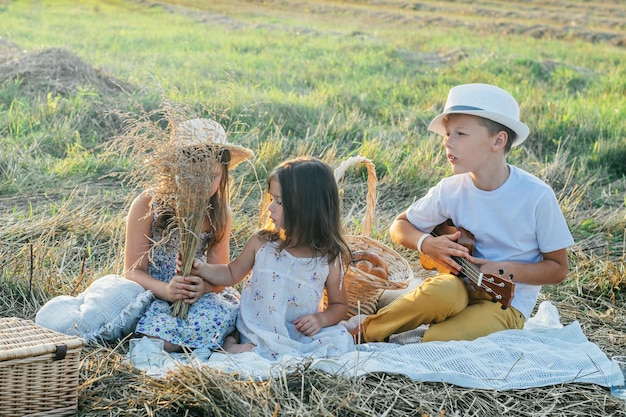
x: 179, y: 170
x: 178, y: 158
x: 192, y: 173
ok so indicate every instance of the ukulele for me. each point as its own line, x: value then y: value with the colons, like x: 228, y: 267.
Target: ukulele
x: 498, y: 288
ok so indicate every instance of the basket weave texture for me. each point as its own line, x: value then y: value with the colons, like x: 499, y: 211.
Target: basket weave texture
x: 364, y: 289
x: 38, y: 370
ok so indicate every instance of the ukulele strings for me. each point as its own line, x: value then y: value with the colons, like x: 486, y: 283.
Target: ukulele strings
x: 478, y: 277
x: 472, y: 273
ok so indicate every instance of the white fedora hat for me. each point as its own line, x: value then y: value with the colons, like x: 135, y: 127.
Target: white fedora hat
x: 207, y: 132
x: 486, y: 101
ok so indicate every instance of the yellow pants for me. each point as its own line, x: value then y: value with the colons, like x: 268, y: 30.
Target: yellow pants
x: 445, y: 303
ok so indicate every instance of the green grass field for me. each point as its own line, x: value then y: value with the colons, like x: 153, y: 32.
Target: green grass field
x: 327, y: 78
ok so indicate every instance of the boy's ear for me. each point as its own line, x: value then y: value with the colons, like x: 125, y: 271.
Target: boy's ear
x: 501, y: 139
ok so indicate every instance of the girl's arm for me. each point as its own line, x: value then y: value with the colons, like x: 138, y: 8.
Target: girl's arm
x: 311, y: 324
x: 219, y: 253
x: 232, y: 273
x: 138, y: 234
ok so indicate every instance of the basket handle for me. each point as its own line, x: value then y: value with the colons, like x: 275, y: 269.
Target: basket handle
x: 372, y: 180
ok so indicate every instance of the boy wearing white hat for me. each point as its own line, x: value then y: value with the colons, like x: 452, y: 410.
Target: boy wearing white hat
x: 520, y: 236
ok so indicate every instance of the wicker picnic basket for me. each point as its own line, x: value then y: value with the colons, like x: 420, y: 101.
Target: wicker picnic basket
x: 364, y: 289
x: 38, y: 370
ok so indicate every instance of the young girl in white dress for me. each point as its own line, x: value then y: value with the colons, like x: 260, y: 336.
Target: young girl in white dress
x: 299, y: 253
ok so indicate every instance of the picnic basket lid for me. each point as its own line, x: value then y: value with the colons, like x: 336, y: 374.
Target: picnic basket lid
x: 20, y: 338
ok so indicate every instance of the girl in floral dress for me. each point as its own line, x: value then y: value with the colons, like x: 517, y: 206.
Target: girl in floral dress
x: 150, y: 252
x: 298, y: 254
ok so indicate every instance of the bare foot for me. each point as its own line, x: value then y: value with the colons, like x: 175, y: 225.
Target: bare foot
x: 357, y: 334
x: 231, y: 345
x: 171, y: 348
x: 167, y: 346
x: 355, y: 327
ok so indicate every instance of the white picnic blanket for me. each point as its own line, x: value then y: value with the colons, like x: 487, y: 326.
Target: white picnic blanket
x: 510, y: 359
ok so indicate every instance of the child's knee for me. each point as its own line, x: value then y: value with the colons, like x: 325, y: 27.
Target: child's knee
x: 446, y: 290
x: 434, y: 300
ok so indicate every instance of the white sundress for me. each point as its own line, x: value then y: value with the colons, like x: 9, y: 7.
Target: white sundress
x: 281, y: 289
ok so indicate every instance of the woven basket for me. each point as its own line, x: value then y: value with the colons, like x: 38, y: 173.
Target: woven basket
x: 364, y: 289
x: 38, y: 370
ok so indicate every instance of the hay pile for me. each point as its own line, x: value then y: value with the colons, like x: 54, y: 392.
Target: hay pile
x: 53, y: 70
x: 55, y: 75
x: 112, y: 387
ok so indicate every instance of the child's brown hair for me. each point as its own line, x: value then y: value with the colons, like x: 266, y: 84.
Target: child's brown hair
x: 311, y: 208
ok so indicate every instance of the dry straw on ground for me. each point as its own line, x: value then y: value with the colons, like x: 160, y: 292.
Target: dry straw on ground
x: 114, y: 388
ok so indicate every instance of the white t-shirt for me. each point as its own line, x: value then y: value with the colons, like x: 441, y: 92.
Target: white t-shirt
x: 516, y: 222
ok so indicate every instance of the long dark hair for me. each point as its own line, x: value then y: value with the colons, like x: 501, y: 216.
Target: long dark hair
x: 311, y: 208
x: 219, y: 209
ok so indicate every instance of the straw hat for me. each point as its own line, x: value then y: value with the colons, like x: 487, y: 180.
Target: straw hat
x: 486, y: 101
x: 206, y: 132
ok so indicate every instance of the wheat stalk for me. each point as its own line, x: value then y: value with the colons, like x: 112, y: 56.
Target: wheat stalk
x: 191, y: 189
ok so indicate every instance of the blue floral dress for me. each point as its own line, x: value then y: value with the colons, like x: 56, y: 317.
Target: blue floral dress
x: 209, y: 320
x: 281, y: 289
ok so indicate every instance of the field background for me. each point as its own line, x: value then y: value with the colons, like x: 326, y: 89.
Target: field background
x: 327, y: 78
